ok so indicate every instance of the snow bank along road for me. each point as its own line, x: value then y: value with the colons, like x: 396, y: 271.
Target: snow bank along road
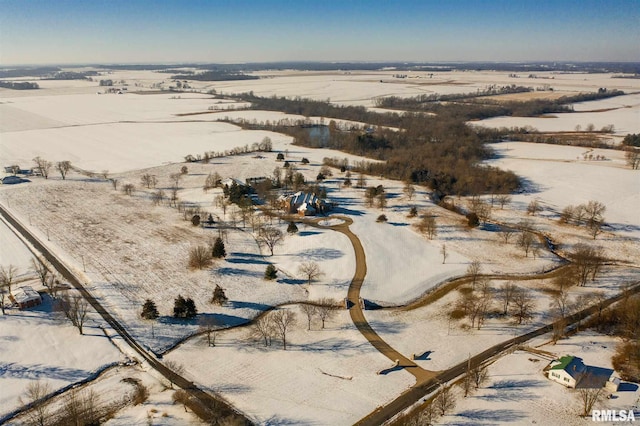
x: 209, y: 405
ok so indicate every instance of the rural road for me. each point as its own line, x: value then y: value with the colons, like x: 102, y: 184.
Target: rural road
x: 209, y: 405
x: 429, y: 381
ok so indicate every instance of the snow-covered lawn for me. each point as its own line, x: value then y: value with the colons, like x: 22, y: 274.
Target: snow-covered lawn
x: 36, y: 345
x: 324, y: 377
x: 517, y: 391
x: 14, y: 252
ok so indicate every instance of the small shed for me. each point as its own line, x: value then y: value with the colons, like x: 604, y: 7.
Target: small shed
x: 26, y: 297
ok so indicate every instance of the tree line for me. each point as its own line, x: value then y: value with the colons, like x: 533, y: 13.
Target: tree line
x: 19, y: 85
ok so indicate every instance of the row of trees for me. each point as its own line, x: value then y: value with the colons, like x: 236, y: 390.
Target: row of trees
x: 591, y: 215
x: 481, y: 300
x: 44, y: 167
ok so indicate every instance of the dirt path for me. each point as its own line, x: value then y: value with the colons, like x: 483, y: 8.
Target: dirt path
x: 357, y: 313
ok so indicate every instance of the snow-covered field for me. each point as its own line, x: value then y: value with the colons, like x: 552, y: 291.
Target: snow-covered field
x: 325, y: 377
x: 127, y: 249
x: 559, y: 176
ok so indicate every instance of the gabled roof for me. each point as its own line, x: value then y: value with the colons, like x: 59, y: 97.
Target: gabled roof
x: 571, y: 365
x: 25, y: 294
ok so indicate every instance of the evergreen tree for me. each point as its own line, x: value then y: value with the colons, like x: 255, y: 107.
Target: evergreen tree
x: 190, y: 310
x: 219, y: 298
x: 149, y: 310
x: 270, y: 273
x: 292, y: 228
x: 179, y: 308
x: 218, y: 249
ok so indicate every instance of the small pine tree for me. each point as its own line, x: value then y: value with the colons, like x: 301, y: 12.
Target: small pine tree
x: 179, y: 308
x: 149, y: 310
x: 218, y: 249
x: 219, y: 298
x: 270, y: 273
x: 292, y: 228
x: 190, y: 310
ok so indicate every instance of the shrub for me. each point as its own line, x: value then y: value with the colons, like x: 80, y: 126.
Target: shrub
x: 381, y: 218
x: 195, y: 220
x: 270, y: 273
x: 292, y: 228
x: 473, y: 220
x: 199, y: 257
x: 305, y: 160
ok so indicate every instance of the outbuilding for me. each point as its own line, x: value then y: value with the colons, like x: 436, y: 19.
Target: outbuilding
x: 26, y: 297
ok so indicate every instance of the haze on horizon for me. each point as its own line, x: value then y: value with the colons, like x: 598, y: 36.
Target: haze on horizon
x: 145, y: 31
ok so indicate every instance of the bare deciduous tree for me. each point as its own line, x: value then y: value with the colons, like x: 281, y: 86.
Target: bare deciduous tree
x: 128, y: 188
x: 506, y: 295
x: 506, y: 234
x: 43, y: 166
x: 80, y: 408
x: 632, y: 157
x: 148, y: 180
x: 283, y: 320
x: 7, y: 276
x: 443, y: 252
x: 409, y: 190
x: 326, y: 309
x: 445, y: 400
x: 157, y: 197
x: 262, y: 328
x: 526, y: 240
x: 33, y: 394
x: 75, y: 309
x: 523, y: 306
x: 588, y: 398
x: 311, y: 270
x: 270, y: 237
x: 503, y: 199
x: 40, y: 270
x: 63, y: 168
x: 534, y: 207
x: 310, y: 311
x: 479, y: 374
x: 473, y: 271
x: 587, y: 261
x: 209, y: 325
x: 560, y: 302
x: 427, y: 226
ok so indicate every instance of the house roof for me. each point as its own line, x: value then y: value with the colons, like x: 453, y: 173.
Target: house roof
x: 25, y: 294
x: 570, y: 364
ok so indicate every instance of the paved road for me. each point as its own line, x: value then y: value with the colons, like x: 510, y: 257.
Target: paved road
x: 207, y: 401
x: 419, y: 390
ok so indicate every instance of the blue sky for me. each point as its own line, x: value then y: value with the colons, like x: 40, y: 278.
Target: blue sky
x: 145, y: 31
